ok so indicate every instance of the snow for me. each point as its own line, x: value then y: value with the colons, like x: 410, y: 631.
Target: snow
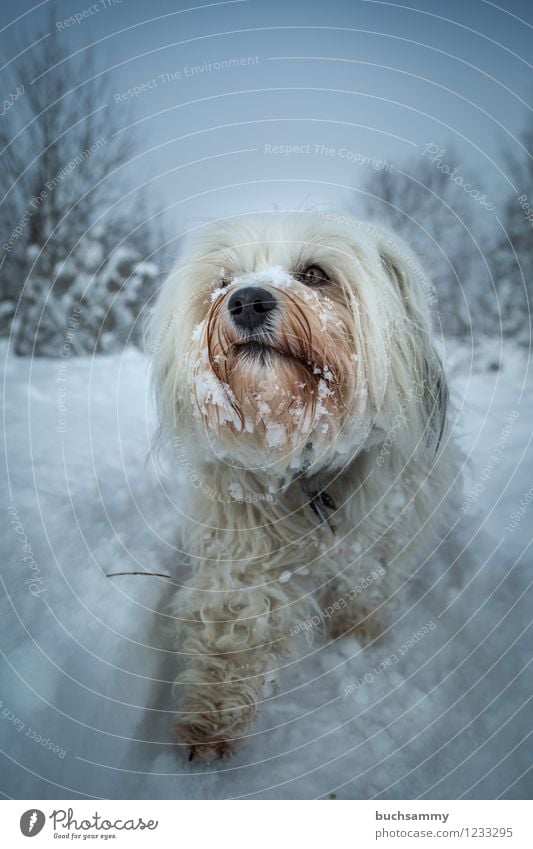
x: 198, y: 329
x: 276, y: 435
x: 236, y: 491
x: 275, y: 275
x: 210, y: 391
x: 93, y: 256
x: 437, y: 709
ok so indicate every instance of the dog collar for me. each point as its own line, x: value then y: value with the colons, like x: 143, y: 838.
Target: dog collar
x: 320, y: 502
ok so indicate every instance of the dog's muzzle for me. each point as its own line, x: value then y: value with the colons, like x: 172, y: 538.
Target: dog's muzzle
x: 250, y: 306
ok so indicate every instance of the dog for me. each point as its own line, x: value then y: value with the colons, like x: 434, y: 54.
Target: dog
x: 296, y: 377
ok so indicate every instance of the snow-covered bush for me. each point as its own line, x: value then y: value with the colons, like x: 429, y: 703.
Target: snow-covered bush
x: 92, y: 303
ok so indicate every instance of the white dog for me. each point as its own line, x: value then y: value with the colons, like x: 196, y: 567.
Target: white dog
x: 296, y: 376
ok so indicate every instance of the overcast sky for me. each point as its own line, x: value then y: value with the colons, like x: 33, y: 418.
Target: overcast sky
x: 363, y: 81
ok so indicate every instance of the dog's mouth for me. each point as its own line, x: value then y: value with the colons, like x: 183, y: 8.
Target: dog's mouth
x: 264, y: 353
x: 261, y: 351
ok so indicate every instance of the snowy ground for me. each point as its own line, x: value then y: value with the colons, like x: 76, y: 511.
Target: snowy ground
x: 86, y: 666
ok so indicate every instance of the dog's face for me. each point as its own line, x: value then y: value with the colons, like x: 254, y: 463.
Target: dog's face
x: 282, y: 340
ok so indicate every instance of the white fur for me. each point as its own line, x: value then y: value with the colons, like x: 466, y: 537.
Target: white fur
x: 353, y: 404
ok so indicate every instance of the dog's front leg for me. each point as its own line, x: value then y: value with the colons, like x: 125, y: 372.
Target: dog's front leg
x: 231, y: 639
x: 353, y: 601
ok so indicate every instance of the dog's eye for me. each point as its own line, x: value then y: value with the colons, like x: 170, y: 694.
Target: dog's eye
x: 313, y: 276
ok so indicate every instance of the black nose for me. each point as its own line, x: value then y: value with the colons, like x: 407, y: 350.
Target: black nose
x: 250, y: 306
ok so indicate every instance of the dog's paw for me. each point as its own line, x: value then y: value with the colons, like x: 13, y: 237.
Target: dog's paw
x: 216, y: 723
x: 202, y: 746
x: 215, y: 750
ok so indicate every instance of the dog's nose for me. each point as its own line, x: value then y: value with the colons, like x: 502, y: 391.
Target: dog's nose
x: 250, y: 306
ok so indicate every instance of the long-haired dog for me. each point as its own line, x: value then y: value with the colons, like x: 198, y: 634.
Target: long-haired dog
x: 296, y: 377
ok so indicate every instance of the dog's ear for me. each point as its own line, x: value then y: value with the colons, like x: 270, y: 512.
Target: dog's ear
x: 417, y: 295
x: 401, y: 265
x: 435, y: 399
x: 164, y: 333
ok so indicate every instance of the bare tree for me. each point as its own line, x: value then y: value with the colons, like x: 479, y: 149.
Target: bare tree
x: 63, y: 167
x: 433, y: 214
x: 514, y: 249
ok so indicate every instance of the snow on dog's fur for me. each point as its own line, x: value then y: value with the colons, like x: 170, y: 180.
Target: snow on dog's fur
x: 293, y: 361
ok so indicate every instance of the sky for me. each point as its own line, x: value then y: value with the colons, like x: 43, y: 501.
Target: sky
x: 246, y: 105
